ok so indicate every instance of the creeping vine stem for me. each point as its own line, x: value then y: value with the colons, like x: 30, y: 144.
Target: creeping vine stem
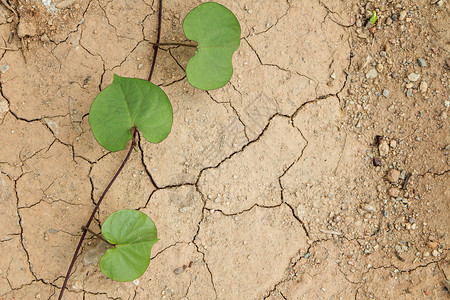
x: 83, y: 234
x: 133, y: 143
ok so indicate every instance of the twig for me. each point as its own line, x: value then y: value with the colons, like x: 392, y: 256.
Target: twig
x: 23, y: 50
x: 158, y: 37
x: 97, y: 235
x: 83, y: 235
x: 330, y: 232
x: 5, y: 3
x: 175, y: 44
x: 10, y: 49
x: 405, y: 182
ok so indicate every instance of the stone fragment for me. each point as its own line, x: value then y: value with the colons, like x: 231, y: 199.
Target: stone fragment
x: 380, y: 68
x: 414, y: 77
x: 44, y: 38
x: 4, y: 107
x: 372, y: 73
x: 64, y: 4
x: 421, y: 62
x: 423, y: 87
x: 376, y: 161
x: 432, y: 244
x: 383, y: 148
x: 4, y: 68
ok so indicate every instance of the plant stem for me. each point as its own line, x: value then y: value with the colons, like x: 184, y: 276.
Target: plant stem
x: 97, y: 235
x: 83, y: 235
x: 158, y: 37
x: 176, y: 44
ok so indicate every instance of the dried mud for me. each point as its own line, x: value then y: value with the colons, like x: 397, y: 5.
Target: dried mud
x: 265, y: 188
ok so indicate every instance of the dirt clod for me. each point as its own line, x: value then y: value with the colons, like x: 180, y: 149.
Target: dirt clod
x: 393, y: 175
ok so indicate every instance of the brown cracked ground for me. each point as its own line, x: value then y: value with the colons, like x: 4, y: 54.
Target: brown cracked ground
x: 266, y: 188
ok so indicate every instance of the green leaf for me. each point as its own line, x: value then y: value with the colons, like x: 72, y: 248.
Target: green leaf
x: 218, y: 34
x: 128, y: 103
x: 373, y: 19
x: 134, y: 234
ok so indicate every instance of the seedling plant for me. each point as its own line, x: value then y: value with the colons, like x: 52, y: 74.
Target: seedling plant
x: 131, y: 105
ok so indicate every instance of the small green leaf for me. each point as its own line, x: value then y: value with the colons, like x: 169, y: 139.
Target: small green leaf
x: 134, y: 234
x: 373, y: 19
x: 218, y: 34
x: 128, y: 103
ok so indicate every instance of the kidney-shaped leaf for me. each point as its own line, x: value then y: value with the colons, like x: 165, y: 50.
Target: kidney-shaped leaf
x: 218, y: 34
x: 134, y: 234
x: 128, y: 103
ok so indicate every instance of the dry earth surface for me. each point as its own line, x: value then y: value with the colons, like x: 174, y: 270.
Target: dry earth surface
x: 321, y: 171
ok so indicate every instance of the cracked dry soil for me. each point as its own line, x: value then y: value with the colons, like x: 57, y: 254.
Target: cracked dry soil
x: 266, y: 188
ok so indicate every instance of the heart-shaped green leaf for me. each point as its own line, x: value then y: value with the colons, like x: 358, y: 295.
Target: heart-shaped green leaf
x: 218, y: 34
x: 134, y: 234
x: 128, y: 103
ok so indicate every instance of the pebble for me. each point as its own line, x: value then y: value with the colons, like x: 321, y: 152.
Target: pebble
x: 409, y: 92
x: 409, y: 85
x: 44, y: 38
x: 393, y: 175
x: 402, y: 15
x: 386, y: 93
x: 376, y: 161
x: 432, y: 245
x: 383, y: 148
x: 414, y: 77
x: 422, y: 62
x: 368, y: 208
x: 435, y: 253
x: 178, y: 270
x: 91, y: 257
x: 372, y: 73
x: 426, y: 254
x: 393, y: 144
x: 380, y: 68
x: 4, y: 68
x: 423, y: 87
x: 3, y: 107
x: 394, y: 192
x: 64, y: 4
